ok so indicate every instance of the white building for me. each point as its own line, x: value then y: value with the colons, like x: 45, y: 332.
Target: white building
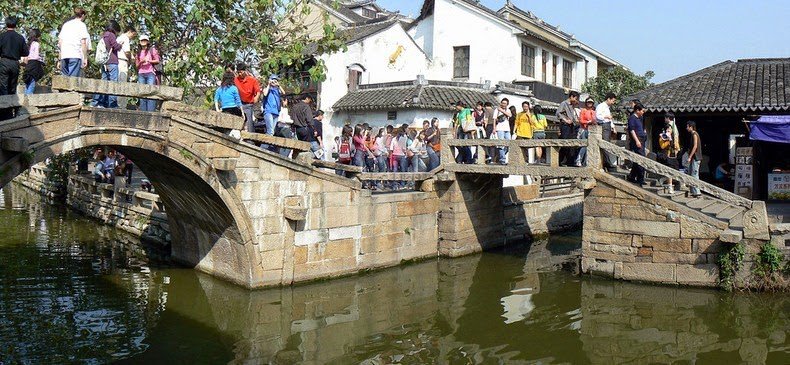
x: 475, y: 50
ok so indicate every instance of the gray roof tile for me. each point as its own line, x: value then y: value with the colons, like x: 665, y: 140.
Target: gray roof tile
x: 750, y: 85
x: 406, y: 95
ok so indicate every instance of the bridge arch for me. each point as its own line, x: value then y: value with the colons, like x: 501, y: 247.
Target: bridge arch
x: 210, y: 229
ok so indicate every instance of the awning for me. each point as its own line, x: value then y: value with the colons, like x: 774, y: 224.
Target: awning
x: 771, y: 128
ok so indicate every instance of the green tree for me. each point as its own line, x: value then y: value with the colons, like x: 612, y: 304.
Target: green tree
x: 196, y: 38
x: 621, y: 82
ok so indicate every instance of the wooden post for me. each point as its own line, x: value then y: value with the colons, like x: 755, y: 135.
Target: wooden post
x: 447, y: 155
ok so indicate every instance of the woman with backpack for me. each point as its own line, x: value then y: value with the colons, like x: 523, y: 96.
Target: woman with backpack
x: 34, y: 62
x: 107, y: 58
x: 226, y: 98
x: 146, y: 60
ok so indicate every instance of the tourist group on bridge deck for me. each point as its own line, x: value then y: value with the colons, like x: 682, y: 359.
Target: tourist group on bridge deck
x: 381, y: 150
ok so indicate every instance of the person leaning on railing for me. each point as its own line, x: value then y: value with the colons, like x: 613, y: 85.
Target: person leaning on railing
x: 539, y: 131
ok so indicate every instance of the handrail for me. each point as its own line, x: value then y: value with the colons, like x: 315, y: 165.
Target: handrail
x: 659, y: 168
x: 518, y: 143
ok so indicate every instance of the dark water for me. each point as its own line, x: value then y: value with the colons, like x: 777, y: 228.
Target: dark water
x: 72, y: 291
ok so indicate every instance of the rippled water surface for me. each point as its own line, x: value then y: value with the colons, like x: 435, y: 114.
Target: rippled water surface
x: 72, y: 291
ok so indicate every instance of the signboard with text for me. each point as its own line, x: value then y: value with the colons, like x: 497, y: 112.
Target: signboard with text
x: 779, y: 186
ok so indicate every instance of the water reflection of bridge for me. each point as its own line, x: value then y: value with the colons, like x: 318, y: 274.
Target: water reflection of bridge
x: 452, y: 311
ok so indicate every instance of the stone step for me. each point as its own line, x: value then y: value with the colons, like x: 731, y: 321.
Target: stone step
x: 730, y: 213
x: 715, y: 209
x: 731, y: 236
x: 676, y: 193
x: 682, y: 198
x: 737, y: 221
x: 700, y: 203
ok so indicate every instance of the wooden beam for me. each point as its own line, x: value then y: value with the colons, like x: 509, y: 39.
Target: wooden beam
x: 289, y: 143
x: 208, y: 118
x: 336, y: 166
x: 131, y: 89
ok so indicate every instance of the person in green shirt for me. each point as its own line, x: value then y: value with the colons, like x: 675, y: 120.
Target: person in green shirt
x: 462, y: 114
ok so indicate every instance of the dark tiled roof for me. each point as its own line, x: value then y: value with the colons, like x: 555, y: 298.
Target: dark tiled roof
x: 750, y: 85
x: 362, y: 30
x: 343, y: 10
x: 406, y: 95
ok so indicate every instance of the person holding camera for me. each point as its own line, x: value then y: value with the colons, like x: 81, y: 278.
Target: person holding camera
x: 272, y: 103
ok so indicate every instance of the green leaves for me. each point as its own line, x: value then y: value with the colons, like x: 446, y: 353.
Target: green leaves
x: 619, y: 81
x: 195, y: 37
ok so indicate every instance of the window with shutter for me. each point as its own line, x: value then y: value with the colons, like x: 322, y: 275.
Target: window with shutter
x: 527, y: 60
x: 567, y: 74
x: 353, y: 79
x: 461, y: 62
x: 555, y: 60
x: 544, y: 70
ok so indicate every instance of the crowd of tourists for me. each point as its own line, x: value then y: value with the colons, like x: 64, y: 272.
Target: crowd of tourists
x: 115, y: 55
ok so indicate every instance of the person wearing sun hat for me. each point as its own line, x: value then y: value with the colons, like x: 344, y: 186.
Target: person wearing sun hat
x: 145, y: 61
x: 586, y: 117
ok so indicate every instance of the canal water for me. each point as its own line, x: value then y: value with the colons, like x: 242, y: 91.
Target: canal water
x: 72, y: 291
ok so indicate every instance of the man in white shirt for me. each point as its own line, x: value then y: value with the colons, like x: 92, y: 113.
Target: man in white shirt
x: 74, y: 43
x: 603, y: 116
x: 124, y: 56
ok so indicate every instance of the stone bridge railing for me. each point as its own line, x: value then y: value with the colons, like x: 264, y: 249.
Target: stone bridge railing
x: 137, y: 212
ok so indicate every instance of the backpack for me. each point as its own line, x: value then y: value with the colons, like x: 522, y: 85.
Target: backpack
x: 102, y: 54
x: 344, y: 155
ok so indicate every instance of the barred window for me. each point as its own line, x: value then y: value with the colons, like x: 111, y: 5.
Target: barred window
x: 527, y: 60
x: 567, y: 74
x: 461, y: 62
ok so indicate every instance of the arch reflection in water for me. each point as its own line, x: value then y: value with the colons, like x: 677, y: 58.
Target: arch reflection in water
x: 498, y: 307
x: 70, y: 289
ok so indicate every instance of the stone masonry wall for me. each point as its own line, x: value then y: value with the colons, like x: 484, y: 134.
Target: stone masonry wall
x: 629, y: 237
x: 343, y: 230
x: 527, y: 216
x: 472, y: 216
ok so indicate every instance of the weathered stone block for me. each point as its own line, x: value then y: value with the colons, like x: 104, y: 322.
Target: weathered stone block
x: 520, y: 193
x: 692, y: 228
x: 706, y: 246
x: 681, y: 245
x: 615, y: 249
x: 679, y: 258
x: 641, y: 212
x: 603, y: 190
x: 382, y: 243
x: 341, y: 216
x: 608, y: 256
x: 379, y: 259
x: 354, y: 232
x: 641, y: 227
x: 652, y: 272
x: 417, y: 207
x: 599, y: 210
x: 698, y: 274
x: 340, y: 199
x: 272, y: 260
x: 312, y: 237
x: 300, y: 255
x: 609, y: 238
x: 332, y: 250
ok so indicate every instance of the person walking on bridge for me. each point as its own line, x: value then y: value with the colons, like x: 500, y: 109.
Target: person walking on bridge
x: 109, y: 70
x: 636, y: 130
x: 146, y: 60
x: 569, y: 126
x: 603, y: 116
x: 250, y: 92
x: 694, y: 158
x: 74, y: 41
x: 12, y: 48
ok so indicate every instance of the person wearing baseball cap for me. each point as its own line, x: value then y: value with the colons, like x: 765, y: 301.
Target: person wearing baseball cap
x: 272, y: 104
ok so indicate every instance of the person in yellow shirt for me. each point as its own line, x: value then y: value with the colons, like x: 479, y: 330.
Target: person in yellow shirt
x: 539, y: 132
x: 525, y: 122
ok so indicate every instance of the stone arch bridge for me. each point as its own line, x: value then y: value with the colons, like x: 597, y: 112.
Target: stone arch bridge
x: 258, y: 219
